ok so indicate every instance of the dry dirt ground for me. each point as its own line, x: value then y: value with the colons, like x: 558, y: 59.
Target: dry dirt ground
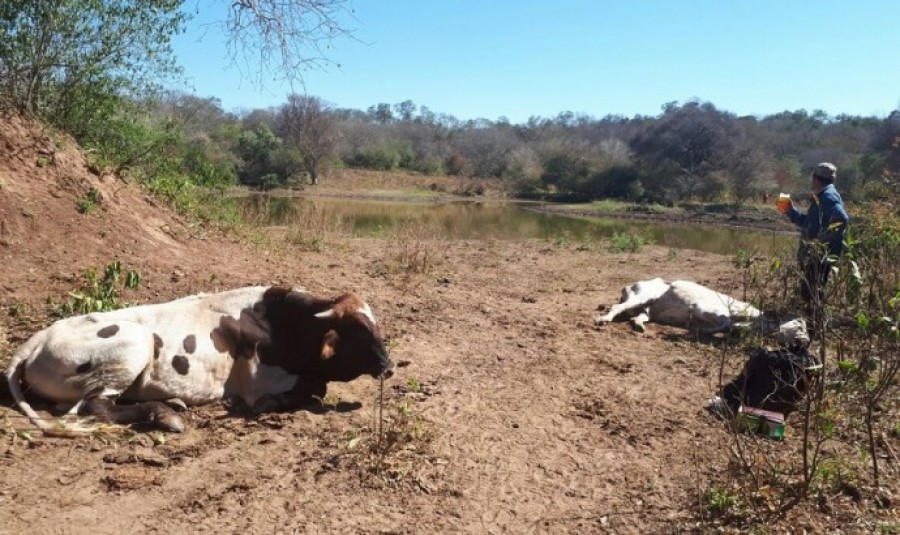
x: 512, y: 412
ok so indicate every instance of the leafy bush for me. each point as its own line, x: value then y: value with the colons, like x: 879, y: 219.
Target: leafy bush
x: 99, y: 294
x: 382, y: 158
x: 430, y: 167
x: 718, y: 502
x: 626, y: 243
x: 265, y: 162
x: 205, y: 171
x: 86, y: 204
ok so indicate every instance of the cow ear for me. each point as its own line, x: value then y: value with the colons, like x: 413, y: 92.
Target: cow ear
x: 329, y: 342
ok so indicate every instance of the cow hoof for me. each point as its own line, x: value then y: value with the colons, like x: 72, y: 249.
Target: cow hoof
x: 170, y: 422
x: 267, y: 403
x: 176, y: 404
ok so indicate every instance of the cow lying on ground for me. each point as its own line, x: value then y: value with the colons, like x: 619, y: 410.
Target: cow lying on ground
x: 273, y: 348
x: 679, y: 303
x: 688, y: 304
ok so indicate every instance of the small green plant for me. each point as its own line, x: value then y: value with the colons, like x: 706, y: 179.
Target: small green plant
x: 388, y: 457
x: 329, y: 402
x: 717, y: 502
x: 833, y: 473
x: 16, y: 310
x: 627, y: 243
x: 42, y: 161
x: 561, y: 241
x: 741, y: 259
x: 86, y: 204
x: 672, y: 255
x: 413, y: 385
x: 99, y: 294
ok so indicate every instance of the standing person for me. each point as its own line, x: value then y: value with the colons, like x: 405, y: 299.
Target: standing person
x: 822, y: 231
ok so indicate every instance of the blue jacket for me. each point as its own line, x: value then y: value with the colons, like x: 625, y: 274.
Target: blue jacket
x: 826, y: 220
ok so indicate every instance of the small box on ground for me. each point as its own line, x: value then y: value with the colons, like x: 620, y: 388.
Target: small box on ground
x: 766, y: 423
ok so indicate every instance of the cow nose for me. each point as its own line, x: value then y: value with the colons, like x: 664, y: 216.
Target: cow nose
x: 388, y: 372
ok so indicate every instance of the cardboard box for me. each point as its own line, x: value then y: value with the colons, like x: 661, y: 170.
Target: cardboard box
x: 766, y: 423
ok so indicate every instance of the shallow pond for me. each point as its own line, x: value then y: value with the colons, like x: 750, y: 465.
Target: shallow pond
x: 472, y: 220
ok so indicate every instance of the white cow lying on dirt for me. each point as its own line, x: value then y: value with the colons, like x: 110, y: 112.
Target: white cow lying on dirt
x: 679, y: 303
x: 688, y: 304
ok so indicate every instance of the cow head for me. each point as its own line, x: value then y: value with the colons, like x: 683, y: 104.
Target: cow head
x: 352, y: 344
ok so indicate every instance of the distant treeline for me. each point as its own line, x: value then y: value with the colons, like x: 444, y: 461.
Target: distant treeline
x: 689, y: 151
x: 96, y: 69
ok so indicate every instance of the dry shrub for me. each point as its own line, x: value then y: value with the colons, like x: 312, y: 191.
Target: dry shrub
x: 293, y: 223
x: 414, y: 247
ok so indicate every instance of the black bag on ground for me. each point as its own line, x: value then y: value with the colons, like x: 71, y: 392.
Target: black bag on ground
x: 772, y: 380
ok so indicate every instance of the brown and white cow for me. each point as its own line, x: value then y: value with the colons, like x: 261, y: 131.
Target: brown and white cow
x: 273, y: 348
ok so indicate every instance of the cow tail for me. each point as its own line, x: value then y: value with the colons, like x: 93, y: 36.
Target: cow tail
x: 14, y: 373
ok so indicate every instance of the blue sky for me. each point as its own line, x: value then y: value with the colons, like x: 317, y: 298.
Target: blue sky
x: 518, y: 58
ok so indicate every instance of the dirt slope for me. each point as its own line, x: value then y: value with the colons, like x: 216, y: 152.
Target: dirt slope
x: 520, y: 415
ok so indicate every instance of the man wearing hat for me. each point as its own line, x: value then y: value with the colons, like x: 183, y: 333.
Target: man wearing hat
x: 822, y: 231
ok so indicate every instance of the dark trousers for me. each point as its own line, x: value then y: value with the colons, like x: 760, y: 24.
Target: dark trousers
x: 812, y: 284
x: 815, y: 271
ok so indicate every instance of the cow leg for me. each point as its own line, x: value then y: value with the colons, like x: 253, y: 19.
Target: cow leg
x: 67, y: 409
x: 714, y: 323
x: 153, y: 413
x: 629, y: 301
x: 305, y: 391
x: 638, y: 321
x: 640, y: 294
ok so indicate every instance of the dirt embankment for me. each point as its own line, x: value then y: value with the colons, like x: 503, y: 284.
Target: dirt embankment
x: 514, y: 414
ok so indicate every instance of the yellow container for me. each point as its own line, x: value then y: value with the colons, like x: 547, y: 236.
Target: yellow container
x: 783, y: 204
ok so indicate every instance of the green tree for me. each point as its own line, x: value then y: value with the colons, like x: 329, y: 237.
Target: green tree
x: 59, y: 58
x: 571, y: 174
x: 259, y: 149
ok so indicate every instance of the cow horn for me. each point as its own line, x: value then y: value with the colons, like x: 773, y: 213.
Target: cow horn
x: 330, y: 313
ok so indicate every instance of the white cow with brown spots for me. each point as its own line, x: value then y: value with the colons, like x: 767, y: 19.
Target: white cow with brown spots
x: 273, y: 348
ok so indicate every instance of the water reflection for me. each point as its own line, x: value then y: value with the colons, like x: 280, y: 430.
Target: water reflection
x: 474, y: 220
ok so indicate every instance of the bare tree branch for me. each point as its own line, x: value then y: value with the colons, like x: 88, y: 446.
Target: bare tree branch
x: 284, y: 37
